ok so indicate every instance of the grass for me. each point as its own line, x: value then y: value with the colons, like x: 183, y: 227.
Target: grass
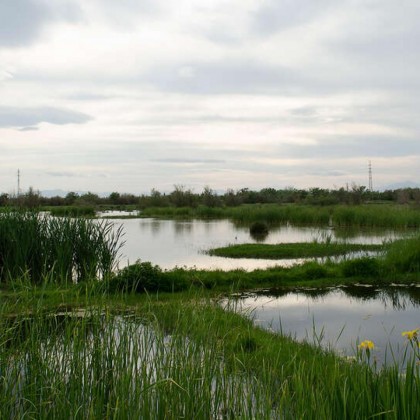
x: 291, y: 250
x: 72, y: 211
x: 179, y: 356
x: 96, y: 350
x: 371, y: 215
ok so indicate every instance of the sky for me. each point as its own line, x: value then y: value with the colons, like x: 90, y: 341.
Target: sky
x: 130, y: 95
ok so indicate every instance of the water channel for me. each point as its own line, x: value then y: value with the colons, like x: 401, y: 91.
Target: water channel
x: 338, y: 318
x: 341, y: 318
x: 183, y: 243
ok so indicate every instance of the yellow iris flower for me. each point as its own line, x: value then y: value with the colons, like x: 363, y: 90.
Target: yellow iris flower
x: 366, y: 345
x: 411, y: 335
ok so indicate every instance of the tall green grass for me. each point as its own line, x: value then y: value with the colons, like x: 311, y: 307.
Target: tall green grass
x: 33, y: 246
x: 72, y: 211
x: 391, y: 216
x: 183, y: 358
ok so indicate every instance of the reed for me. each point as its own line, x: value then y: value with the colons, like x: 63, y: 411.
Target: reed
x: 183, y: 358
x: 62, y: 249
x: 72, y: 211
x: 372, y: 215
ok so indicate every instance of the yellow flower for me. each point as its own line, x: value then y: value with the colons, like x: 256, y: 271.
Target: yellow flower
x: 411, y: 335
x: 366, y: 345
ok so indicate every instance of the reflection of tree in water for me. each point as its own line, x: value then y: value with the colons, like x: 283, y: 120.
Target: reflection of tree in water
x: 182, y: 228
x: 155, y: 226
x: 398, y: 298
x: 259, y: 237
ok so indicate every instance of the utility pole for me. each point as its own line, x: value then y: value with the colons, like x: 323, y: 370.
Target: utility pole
x: 370, y: 177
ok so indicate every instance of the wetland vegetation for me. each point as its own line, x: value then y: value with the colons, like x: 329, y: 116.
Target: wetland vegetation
x: 82, y: 339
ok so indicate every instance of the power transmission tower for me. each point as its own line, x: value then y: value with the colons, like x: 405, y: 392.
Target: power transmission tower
x: 18, y: 182
x: 370, y: 177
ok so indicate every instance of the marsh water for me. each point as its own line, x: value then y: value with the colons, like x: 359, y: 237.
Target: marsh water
x: 340, y: 318
x: 183, y: 243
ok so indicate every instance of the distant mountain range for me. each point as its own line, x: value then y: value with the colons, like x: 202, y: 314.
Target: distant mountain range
x: 399, y: 185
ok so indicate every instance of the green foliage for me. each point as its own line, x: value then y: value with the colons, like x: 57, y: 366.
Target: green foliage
x: 404, y: 256
x: 182, y: 358
x: 362, y: 267
x: 143, y: 277
x: 63, y: 250
x: 72, y: 211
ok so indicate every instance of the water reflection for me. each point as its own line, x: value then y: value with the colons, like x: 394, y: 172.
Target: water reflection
x: 171, y: 243
x: 342, y: 317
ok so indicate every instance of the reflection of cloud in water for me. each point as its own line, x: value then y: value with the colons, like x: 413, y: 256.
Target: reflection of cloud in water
x: 171, y: 243
x: 343, y: 316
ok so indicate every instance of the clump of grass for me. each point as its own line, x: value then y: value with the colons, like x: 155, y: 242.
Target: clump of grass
x: 403, y: 256
x: 65, y: 250
x: 73, y: 211
x: 362, y: 267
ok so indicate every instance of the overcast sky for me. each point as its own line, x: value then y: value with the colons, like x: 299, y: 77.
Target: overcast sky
x: 129, y: 95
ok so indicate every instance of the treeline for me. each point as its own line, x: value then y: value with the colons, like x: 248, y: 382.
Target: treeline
x: 185, y: 197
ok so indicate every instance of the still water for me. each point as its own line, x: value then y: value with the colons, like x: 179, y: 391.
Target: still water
x: 340, y: 318
x: 170, y: 243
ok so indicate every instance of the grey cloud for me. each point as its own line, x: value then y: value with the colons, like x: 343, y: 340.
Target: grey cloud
x: 85, y: 96
x: 277, y: 15
x: 63, y: 174
x: 225, y: 77
x: 29, y: 117
x: 185, y: 160
x: 21, y: 21
x: 365, y: 147
x: 28, y: 129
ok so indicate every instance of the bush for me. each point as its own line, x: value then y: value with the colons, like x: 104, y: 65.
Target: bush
x: 141, y: 277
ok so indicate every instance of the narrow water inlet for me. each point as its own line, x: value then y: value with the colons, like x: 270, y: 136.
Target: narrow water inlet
x: 339, y: 318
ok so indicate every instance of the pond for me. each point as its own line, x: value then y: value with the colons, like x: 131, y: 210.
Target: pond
x: 340, y: 318
x: 183, y: 243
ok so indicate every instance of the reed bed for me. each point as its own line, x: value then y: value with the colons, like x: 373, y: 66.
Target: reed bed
x: 36, y: 247
x: 389, y: 216
x: 185, y: 358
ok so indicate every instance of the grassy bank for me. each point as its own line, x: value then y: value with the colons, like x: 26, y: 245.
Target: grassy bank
x: 180, y: 356
x: 291, y: 250
x: 372, y: 215
x: 399, y: 264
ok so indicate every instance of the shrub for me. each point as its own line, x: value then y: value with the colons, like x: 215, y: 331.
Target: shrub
x: 141, y: 277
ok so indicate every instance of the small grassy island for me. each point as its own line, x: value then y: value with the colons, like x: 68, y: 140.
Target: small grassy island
x: 291, y: 250
x: 80, y: 339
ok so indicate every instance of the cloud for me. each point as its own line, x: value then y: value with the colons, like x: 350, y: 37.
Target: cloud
x: 277, y: 15
x: 22, y: 21
x: 29, y: 117
x: 185, y: 160
x: 28, y: 129
x: 225, y: 77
